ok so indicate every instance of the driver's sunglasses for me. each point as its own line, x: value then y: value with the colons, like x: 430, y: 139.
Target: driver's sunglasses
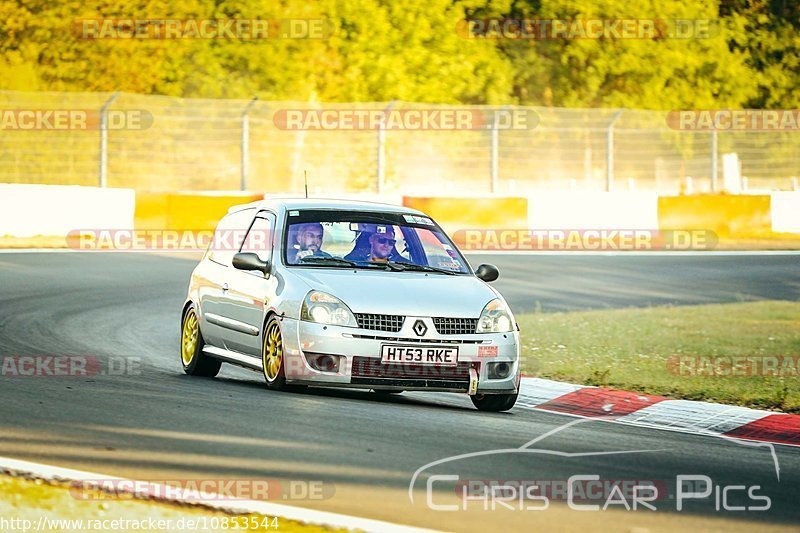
x: 386, y: 240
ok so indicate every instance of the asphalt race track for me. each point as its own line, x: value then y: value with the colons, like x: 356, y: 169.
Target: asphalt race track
x: 156, y: 423
x: 571, y: 282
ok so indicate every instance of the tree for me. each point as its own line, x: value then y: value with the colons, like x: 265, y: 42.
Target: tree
x: 659, y: 73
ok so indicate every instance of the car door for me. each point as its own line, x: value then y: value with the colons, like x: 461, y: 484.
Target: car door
x: 217, y: 265
x: 250, y: 291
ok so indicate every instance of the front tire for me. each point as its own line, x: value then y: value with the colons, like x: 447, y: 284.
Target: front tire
x: 272, y: 355
x: 193, y: 360
x: 494, y: 403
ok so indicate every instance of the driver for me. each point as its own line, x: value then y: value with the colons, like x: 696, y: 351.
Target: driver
x: 309, y: 241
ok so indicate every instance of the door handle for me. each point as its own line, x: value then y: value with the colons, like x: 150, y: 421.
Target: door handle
x: 225, y: 287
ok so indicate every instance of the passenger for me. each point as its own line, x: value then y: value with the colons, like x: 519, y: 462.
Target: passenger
x: 381, y: 247
x: 308, y: 241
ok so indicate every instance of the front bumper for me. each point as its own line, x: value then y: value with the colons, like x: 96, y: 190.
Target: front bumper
x: 359, y: 352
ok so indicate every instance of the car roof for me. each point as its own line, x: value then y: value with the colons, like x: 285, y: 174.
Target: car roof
x: 325, y: 203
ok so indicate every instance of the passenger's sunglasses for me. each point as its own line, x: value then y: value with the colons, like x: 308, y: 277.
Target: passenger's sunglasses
x: 385, y: 240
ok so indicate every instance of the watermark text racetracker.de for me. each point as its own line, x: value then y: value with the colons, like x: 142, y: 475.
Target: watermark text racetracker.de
x: 786, y: 120
x: 222, y: 28
x: 202, y: 489
x: 74, y: 119
x: 734, y: 366
x: 410, y: 119
x: 166, y: 240
x: 469, y: 240
x: 496, y: 240
x: 588, y: 28
x: 28, y: 366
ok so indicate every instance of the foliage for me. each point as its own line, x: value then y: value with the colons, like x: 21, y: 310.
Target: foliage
x: 382, y: 50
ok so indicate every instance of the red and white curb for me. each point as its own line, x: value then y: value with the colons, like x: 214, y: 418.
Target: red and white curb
x: 155, y: 491
x: 647, y: 410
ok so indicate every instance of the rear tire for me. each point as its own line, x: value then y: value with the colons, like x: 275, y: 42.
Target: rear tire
x: 494, y: 403
x: 193, y: 360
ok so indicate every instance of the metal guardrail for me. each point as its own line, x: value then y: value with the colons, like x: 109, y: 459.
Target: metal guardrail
x: 194, y: 144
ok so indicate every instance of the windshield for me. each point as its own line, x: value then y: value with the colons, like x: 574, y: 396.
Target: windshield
x: 386, y: 241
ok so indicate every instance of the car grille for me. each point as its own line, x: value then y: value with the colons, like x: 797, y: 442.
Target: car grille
x: 417, y: 340
x: 371, y: 371
x: 455, y: 326
x: 391, y: 323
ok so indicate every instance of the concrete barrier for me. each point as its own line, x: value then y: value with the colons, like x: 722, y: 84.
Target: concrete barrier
x: 55, y: 210
x: 186, y: 211
x: 593, y: 210
x: 729, y: 216
x: 786, y: 212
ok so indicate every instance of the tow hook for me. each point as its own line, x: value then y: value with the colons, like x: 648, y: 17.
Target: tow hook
x: 473, y: 380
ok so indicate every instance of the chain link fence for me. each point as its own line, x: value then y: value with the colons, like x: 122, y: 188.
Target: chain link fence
x: 165, y: 143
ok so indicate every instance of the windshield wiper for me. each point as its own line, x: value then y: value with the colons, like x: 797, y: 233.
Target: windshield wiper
x: 424, y: 268
x: 332, y: 261
x: 388, y: 265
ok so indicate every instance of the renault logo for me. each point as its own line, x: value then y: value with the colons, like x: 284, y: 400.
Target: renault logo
x: 420, y: 328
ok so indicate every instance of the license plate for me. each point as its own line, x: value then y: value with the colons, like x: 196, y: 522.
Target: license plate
x: 420, y: 355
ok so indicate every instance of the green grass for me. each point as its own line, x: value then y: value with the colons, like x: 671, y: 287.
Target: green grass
x: 630, y: 349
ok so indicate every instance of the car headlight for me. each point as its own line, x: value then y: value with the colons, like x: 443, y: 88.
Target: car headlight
x: 322, y: 308
x: 495, y: 318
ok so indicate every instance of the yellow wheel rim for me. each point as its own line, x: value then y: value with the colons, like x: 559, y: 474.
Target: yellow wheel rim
x: 273, y: 352
x: 189, y: 337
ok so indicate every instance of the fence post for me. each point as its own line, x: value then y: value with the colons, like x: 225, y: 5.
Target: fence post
x: 103, y: 178
x: 245, y: 144
x: 493, y: 169
x: 381, y: 170
x: 714, y: 158
x: 610, y: 151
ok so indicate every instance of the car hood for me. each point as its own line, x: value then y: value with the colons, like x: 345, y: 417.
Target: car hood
x: 402, y: 293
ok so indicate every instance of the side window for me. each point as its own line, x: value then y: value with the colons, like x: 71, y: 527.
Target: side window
x: 229, y: 235
x: 259, y: 238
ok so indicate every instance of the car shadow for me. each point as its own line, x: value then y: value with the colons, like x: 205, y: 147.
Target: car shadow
x: 361, y: 395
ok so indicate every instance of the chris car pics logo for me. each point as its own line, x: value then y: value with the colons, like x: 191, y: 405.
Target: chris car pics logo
x: 584, y: 490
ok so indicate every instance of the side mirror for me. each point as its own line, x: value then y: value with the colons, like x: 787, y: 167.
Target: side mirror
x: 487, y: 273
x: 250, y: 261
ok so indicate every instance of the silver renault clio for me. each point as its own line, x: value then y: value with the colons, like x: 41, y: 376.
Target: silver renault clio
x: 349, y: 294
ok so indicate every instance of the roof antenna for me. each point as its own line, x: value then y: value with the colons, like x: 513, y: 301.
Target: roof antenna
x: 305, y: 179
